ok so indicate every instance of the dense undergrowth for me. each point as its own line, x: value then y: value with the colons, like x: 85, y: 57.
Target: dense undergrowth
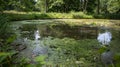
x: 69, y: 52
x: 64, y: 52
x: 7, y: 51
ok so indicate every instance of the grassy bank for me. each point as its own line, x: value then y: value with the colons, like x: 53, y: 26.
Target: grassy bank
x: 37, y: 15
x: 14, y: 15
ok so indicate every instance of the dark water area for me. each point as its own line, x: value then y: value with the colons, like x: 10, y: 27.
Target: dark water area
x: 59, y: 31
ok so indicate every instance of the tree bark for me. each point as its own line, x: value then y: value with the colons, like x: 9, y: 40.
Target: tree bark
x: 85, y: 5
x: 98, y: 6
x: 45, y: 6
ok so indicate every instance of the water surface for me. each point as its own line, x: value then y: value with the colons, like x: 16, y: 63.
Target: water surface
x: 56, y: 35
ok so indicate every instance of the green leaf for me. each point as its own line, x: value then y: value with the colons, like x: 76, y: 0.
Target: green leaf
x: 11, y: 39
x: 4, y: 55
x: 40, y: 59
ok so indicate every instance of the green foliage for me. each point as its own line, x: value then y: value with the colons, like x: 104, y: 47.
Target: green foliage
x: 69, y: 49
x: 56, y: 4
x: 86, y: 6
x: 81, y: 15
x: 21, y: 5
x: 5, y: 58
x: 2, y: 5
x: 6, y: 50
x: 117, y: 60
x: 41, y: 5
x: 107, y: 16
x: 102, y: 49
x: 3, y: 23
x: 6, y: 45
x: 11, y: 39
x: 113, y: 6
x: 63, y: 5
x: 4, y: 33
x: 15, y: 15
x: 110, y: 6
x: 40, y: 59
x: 35, y: 15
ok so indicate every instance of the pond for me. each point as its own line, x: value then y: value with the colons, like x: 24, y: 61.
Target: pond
x: 63, y: 43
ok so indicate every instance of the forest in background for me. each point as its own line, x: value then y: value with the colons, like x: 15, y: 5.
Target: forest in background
x: 87, y: 6
x: 92, y: 7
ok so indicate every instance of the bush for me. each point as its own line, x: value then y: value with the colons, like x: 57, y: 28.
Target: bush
x: 81, y: 15
x: 107, y: 16
x: 112, y: 16
x: 4, y: 19
x: 14, y: 17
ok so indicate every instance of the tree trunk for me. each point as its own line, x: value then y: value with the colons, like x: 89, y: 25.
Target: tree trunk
x: 81, y: 5
x: 45, y: 6
x: 85, y: 5
x: 98, y: 6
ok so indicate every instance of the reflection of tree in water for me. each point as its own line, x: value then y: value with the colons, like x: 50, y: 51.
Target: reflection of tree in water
x: 77, y: 32
x: 27, y: 30
x: 59, y: 30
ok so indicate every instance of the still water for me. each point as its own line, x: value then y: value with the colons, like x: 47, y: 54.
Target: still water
x: 61, y: 43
